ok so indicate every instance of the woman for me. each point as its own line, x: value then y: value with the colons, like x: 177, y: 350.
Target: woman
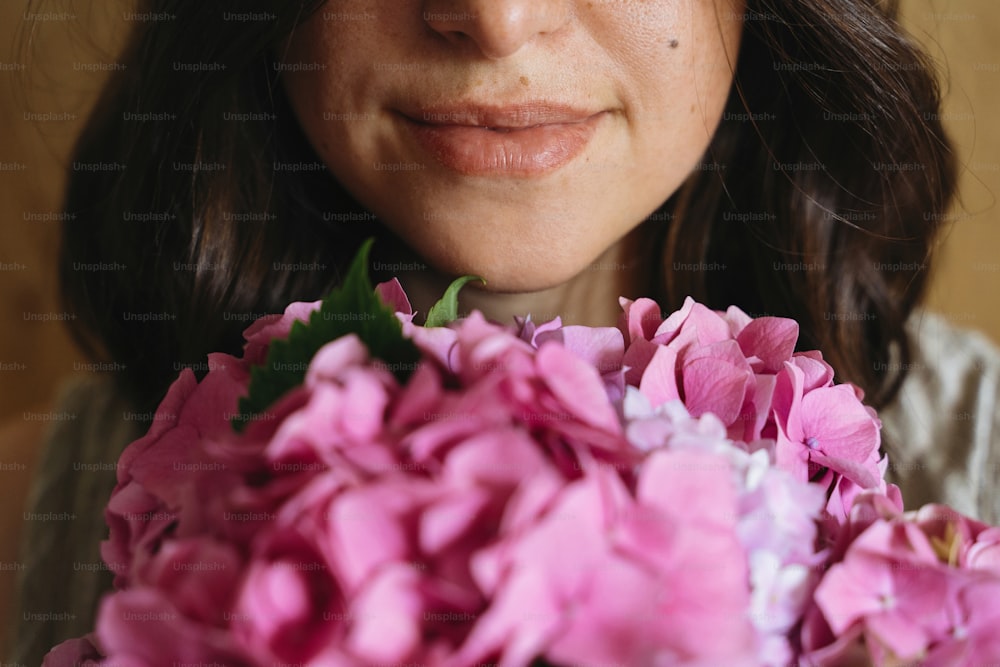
x: 781, y: 155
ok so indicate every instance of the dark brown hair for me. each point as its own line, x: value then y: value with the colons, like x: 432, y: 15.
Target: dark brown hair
x: 819, y: 198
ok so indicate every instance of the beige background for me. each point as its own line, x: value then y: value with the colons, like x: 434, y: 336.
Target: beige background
x: 960, y: 33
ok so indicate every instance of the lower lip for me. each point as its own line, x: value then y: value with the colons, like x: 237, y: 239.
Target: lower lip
x: 530, y: 151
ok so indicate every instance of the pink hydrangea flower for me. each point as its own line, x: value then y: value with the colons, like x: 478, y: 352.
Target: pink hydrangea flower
x: 776, y: 517
x: 668, y: 491
x: 80, y: 652
x: 907, y: 590
x: 648, y: 577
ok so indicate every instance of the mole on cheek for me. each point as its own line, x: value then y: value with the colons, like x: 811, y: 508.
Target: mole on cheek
x: 525, y: 81
x: 673, y: 43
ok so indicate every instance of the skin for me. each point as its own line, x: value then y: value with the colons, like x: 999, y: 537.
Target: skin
x: 555, y: 243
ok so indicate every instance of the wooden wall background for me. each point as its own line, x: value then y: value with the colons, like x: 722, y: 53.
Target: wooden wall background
x: 43, y: 108
x: 44, y: 98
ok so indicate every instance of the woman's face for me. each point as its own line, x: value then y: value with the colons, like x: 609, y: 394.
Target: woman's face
x: 513, y: 139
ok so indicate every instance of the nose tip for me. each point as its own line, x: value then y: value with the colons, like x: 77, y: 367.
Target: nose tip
x: 496, y: 28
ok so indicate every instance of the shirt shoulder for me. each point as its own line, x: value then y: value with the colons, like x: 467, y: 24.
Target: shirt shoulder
x: 943, y: 428
x: 74, y: 475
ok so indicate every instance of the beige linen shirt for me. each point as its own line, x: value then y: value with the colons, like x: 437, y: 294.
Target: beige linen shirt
x: 944, y: 427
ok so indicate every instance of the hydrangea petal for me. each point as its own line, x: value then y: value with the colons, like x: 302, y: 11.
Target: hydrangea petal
x: 770, y: 339
x: 577, y: 386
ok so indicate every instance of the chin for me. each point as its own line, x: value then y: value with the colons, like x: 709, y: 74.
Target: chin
x: 507, y: 264
x: 518, y: 279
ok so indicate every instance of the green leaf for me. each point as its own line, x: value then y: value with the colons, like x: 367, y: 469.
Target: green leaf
x: 446, y: 310
x: 352, y: 308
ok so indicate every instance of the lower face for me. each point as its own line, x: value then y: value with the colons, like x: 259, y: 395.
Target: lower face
x: 517, y: 140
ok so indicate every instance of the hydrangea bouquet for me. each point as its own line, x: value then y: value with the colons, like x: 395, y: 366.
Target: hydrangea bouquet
x: 358, y: 490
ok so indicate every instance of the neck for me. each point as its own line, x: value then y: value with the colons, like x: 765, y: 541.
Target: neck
x: 590, y: 298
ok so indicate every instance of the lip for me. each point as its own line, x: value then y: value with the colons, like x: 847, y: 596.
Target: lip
x: 518, y: 140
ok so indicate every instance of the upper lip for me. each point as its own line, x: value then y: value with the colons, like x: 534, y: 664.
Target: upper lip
x: 511, y: 116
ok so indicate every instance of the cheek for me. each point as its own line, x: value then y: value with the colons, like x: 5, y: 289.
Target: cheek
x: 348, y: 42
x: 676, y: 62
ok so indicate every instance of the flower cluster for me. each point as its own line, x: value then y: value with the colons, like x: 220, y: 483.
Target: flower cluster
x: 746, y: 372
x: 668, y: 491
x: 916, y: 587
